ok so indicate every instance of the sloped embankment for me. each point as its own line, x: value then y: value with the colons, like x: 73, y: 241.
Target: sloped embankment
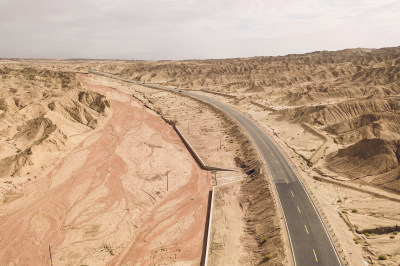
x: 367, y: 157
x: 375, y: 161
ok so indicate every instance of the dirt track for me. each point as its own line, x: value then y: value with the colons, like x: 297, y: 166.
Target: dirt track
x: 106, y: 202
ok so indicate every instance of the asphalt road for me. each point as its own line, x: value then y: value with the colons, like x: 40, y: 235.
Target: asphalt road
x: 309, y: 240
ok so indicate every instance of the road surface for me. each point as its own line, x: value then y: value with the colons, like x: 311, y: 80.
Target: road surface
x: 309, y: 240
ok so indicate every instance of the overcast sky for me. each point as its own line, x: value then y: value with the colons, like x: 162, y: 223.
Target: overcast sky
x: 186, y: 29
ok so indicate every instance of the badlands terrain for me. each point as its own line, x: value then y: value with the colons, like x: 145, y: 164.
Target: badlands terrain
x: 84, y: 159
x: 352, y: 95
x: 94, y: 174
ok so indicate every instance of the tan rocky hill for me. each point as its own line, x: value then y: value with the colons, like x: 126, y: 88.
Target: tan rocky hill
x: 318, y: 74
x: 42, y: 113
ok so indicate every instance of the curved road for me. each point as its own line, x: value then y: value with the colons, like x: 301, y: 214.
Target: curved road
x: 309, y: 239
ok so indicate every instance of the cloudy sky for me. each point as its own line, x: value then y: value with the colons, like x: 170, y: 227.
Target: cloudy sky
x: 186, y: 29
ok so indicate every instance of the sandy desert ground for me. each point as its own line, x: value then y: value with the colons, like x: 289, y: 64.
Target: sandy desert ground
x: 336, y: 114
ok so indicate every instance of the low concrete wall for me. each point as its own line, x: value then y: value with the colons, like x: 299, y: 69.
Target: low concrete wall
x: 209, y: 217
x: 395, y: 198
x: 196, y: 155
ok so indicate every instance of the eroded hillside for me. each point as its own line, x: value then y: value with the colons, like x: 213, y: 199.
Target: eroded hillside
x: 43, y: 114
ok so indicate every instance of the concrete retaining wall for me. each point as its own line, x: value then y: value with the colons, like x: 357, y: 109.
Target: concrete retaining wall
x: 205, y: 262
x: 196, y: 155
x: 210, y: 218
